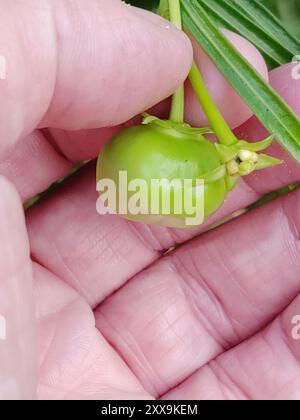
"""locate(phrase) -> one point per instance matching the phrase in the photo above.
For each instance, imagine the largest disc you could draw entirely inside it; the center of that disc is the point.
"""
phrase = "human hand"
(115, 317)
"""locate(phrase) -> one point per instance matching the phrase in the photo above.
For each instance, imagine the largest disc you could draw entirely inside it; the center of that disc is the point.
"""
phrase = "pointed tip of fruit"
(266, 161)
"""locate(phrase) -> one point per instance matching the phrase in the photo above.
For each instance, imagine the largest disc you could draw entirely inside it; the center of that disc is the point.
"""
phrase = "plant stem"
(177, 107)
(217, 122)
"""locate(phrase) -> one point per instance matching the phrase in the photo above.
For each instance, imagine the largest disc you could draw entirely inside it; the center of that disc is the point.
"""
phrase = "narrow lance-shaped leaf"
(258, 25)
(268, 106)
(270, 23)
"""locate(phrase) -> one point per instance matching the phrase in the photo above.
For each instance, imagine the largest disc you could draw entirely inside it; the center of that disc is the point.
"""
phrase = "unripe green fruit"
(151, 152)
(162, 151)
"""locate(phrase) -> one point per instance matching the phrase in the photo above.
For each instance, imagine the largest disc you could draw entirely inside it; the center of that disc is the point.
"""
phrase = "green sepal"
(257, 146)
(227, 153)
(214, 175)
(168, 124)
(246, 168)
(231, 181)
(266, 161)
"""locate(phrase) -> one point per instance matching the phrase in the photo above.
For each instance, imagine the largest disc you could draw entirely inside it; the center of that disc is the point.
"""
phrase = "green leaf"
(288, 11)
(265, 161)
(268, 106)
(270, 24)
(255, 22)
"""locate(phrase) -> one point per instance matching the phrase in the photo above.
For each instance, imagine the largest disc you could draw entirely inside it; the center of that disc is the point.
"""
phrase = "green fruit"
(164, 151)
(159, 153)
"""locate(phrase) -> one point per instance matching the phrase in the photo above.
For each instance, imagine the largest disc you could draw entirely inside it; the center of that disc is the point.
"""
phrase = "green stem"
(216, 120)
(177, 106)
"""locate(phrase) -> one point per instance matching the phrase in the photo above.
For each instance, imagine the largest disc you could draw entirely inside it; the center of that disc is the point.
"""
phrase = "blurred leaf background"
(289, 13)
(287, 10)
(145, 4)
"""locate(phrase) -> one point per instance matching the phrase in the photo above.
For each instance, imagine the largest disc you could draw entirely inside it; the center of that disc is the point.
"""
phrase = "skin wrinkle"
(53, 31)
(179, 381)
(191, 296)
(246, 393)
(234, 321)
(142, 361)
(59, 38)
(268, 367)
(108, 249)
(147, 238)
(293, 231)
(57, 55)
(228, 391)
(285, 337)
(42, 362)
(104, 297)
(220, 383)
(290, 351)
(218, 370)
(170, 326)
(65, 265)
(264, 338)
(238, 284)
(85, 357)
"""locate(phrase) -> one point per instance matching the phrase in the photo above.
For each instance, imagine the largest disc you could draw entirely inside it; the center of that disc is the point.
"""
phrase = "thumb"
(17, 327)
(76, 64)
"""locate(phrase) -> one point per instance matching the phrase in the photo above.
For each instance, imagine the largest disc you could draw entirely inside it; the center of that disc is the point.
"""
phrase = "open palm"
(97, 307)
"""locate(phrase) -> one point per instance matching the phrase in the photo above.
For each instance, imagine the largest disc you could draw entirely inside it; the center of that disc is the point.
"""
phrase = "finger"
(75, 362)
(84, 66)
(17, 327)
(266, 367)
(207, 296)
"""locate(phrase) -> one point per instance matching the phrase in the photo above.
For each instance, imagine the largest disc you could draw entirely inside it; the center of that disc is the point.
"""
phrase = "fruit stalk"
(216, 120)
(177, 106)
